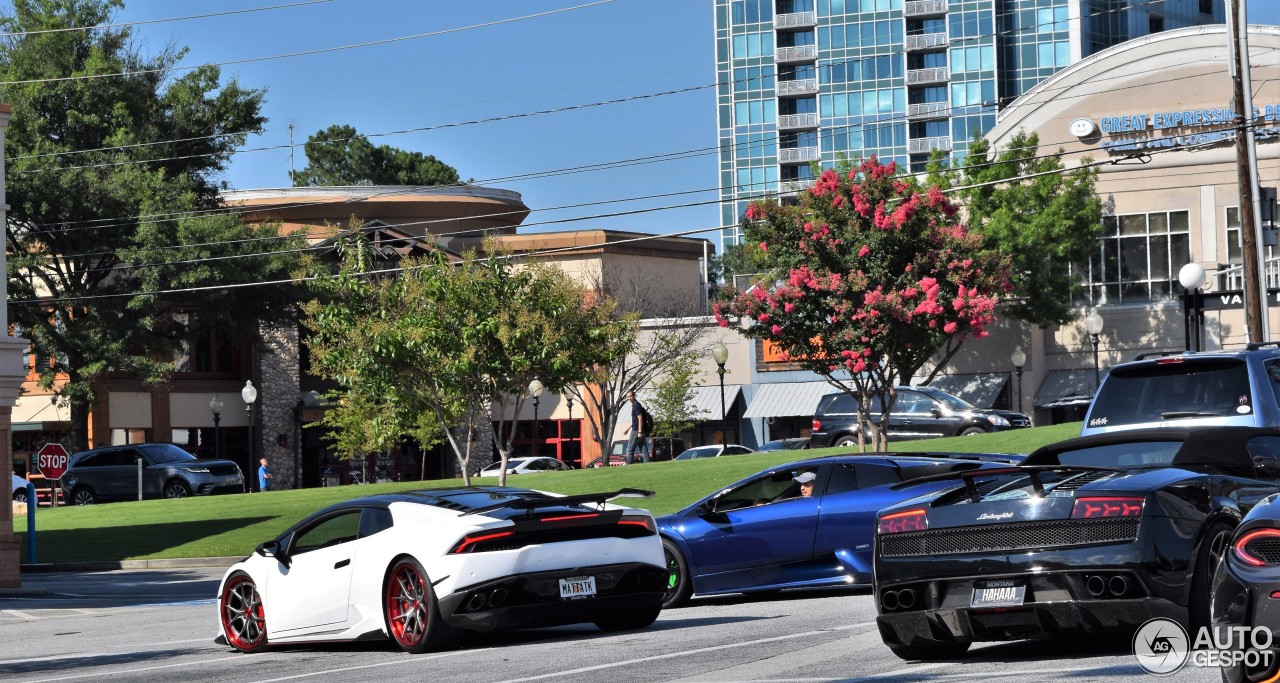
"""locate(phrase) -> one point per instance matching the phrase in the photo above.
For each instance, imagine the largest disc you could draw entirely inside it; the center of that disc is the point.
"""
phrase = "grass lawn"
(233, 525)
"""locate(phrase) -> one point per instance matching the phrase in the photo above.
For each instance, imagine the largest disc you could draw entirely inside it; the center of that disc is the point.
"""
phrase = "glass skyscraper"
(830, 80)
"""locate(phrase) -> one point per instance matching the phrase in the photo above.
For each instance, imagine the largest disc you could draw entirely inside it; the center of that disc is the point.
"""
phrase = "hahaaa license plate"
(998, 593)
(578, 587)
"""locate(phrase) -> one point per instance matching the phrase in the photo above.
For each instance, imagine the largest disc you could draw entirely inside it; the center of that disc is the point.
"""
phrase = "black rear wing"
(1007, 458)
(529, 503)
(1030, 471)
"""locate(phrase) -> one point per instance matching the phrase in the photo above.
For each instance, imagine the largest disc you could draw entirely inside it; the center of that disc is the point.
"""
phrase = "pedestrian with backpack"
(639, 428)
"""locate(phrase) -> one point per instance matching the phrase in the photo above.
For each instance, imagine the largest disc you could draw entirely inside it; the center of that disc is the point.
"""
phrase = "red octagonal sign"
(52, 460)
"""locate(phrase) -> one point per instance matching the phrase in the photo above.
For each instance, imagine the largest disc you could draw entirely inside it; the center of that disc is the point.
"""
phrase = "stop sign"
(52, 460)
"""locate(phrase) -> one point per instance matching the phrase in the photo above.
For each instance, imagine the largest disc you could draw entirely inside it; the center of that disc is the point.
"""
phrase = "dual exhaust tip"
(1106, 587)
(895, 600)
(492, 599)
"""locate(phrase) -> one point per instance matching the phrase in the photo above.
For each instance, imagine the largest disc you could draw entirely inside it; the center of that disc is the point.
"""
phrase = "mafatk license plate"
(998, 593)
(577, 587)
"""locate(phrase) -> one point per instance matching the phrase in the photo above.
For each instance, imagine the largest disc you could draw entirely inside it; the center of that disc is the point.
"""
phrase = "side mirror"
(935, 411)
(1267, 463)
(272, 549)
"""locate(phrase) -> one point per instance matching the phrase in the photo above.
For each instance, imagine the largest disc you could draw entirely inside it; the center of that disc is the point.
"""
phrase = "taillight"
(1173, 360)
(817, 425)
(1100, 508)
(1265, 552)
(470, 540)
(642, 521)
(899, 522)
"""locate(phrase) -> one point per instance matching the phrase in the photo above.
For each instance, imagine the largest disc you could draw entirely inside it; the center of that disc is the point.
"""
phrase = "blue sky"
(614, 50)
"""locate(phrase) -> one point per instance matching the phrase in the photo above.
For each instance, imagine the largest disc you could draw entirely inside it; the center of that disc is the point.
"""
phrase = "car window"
(330, 531)
(1133, 454)
(770, 488)
(131, 456)
(100, 459)
(374, 520)
(870, 474)
(165, 452)
(843, 477)
(1152, 392)
(736, 450)
(839, 404)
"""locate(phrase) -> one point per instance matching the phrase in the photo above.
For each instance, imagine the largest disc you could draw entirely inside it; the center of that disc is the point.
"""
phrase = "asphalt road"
(158, 625)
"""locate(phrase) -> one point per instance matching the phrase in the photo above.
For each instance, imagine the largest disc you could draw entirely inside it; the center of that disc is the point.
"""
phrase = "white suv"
(1190, 389)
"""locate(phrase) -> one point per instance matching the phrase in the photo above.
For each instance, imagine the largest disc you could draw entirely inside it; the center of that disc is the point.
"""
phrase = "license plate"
(577, 587)
(998, 594)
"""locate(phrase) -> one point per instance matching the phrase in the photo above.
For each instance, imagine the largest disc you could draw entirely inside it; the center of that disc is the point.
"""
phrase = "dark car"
(111, 473)
(759, 534)
(796, 444)
(1218, 388)
(1245, 588)
(918, 413)
(1094, 534)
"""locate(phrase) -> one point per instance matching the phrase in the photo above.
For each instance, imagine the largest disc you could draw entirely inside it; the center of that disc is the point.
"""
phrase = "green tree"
(338, 155)
(1045, 219)
(432, 351)
(112, 181)
(672, 393)
(868, 277)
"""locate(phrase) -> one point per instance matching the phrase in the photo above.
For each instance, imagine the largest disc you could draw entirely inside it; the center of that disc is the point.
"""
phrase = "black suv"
(918, 413)
(1184, 389)
(111, 473)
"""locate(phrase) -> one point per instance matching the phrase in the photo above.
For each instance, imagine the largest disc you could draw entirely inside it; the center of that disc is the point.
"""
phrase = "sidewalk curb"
(114, 565)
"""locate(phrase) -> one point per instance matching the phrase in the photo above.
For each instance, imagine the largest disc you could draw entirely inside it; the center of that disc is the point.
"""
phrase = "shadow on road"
(142, 540)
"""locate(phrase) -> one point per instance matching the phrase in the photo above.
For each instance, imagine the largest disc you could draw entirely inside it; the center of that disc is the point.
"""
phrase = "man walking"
(639, 427)
(264, 476)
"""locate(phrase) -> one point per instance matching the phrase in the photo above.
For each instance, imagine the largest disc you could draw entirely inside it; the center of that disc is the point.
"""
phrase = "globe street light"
(248, 394)
(215, 405)
(535, 390)
(1093, 325)
(1192, 277)
(720, 353)
(1019, 359)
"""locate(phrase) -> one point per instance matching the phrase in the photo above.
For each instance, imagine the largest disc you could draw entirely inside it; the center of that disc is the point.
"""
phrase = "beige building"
(1159, 107)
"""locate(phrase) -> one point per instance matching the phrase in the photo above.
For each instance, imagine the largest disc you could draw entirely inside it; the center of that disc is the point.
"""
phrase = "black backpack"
(646, 421)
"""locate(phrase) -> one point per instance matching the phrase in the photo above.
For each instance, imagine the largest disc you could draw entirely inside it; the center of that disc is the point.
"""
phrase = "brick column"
(11, 376)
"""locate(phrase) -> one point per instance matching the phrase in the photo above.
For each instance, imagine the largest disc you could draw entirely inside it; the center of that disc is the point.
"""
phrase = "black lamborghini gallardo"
(1093, 534)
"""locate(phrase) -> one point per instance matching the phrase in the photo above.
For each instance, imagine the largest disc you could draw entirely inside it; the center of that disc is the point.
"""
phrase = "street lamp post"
(248, 394)
(720, 353)
(535, 390)
(215, 405)
(1192, 277)
(1019, 359)
(1093, 325)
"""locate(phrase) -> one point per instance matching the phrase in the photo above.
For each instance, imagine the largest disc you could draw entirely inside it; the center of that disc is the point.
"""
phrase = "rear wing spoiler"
(1030, 471)
(1009, 458)
(529, 503)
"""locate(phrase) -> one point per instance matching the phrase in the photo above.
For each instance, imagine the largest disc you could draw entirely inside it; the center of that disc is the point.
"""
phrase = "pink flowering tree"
(863, 281)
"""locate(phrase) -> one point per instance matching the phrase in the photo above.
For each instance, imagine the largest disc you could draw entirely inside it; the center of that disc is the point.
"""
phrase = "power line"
(305, 53)
(159, 21)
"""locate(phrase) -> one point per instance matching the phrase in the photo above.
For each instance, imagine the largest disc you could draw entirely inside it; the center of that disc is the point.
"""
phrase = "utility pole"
(291, 168)
(1255, 290)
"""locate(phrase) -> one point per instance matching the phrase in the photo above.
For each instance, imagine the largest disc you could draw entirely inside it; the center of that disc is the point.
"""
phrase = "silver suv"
(111, 473)
(1190, 389)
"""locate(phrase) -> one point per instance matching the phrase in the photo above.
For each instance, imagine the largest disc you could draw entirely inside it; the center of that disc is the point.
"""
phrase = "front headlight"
(998, 421)
(198, 470)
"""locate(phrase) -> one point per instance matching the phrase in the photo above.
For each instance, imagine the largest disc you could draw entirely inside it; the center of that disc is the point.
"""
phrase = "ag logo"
(1161, 646)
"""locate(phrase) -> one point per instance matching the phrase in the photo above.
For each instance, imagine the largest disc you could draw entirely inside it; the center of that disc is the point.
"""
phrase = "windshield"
(164, 452)
(952, 402)
(1174, 389)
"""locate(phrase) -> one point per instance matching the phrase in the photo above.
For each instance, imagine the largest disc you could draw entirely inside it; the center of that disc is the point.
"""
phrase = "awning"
(1062, 388)
(705, 401)
(980, 389)
(37, 412)
(787, 399)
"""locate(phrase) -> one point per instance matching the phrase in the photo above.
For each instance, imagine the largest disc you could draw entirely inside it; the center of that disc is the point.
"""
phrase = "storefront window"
(1138, 258)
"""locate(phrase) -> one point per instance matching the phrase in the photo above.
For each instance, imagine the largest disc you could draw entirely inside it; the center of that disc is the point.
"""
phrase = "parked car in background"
(1184, 389)
(19, 489)
(761, 534)
(918, 413)
(526, 466)
(111, 473)
(714, 451)
(663, 448)
(796, 444)
(422, 567)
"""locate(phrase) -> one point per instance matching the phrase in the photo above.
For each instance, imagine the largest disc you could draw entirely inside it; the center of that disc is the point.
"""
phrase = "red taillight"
(1242, 552)
(1168, 361)
(472, 539)
(644, 522)
(899, 522)
(817, 425)
(1100, 508)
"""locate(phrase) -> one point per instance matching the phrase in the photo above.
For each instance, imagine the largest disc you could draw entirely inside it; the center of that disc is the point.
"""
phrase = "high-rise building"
(830, 80)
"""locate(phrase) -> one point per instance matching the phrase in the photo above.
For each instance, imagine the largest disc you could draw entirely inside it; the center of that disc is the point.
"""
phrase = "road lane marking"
(53, 658)
(410, 659)
(233, 659)
(686, 653)
(20, 615)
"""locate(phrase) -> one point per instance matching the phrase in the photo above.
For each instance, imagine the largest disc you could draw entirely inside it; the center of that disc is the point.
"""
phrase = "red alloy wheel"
(243, 620)
(406, 605)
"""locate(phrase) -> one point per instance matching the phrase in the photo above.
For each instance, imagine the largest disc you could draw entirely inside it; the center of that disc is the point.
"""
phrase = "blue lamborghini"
(804, 524)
